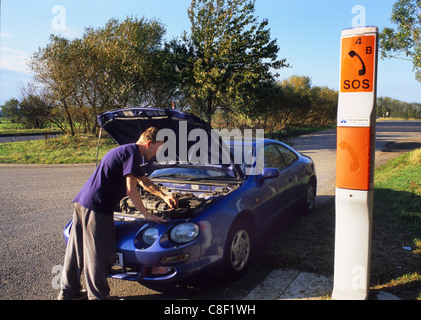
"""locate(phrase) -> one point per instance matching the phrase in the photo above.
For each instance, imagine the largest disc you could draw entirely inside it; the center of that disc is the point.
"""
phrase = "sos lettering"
(356, 84)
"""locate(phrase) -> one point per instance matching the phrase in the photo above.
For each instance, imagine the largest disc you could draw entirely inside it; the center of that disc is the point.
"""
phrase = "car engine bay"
(190, 204)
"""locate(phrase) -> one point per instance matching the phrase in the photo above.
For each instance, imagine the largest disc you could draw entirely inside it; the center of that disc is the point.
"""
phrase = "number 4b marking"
(368, 50)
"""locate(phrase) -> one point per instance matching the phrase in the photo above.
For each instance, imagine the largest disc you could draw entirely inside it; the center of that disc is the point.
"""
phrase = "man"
(92, 241)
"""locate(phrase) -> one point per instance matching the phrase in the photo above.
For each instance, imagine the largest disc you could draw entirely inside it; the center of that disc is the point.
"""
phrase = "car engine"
(189, 205)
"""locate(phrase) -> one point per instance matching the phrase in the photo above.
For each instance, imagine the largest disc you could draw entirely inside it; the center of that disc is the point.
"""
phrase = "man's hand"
(133, 193)
(153, 218)
(149, 186)
(170, 200)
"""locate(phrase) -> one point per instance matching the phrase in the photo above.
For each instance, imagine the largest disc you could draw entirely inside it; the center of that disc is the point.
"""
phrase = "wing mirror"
(267, 173)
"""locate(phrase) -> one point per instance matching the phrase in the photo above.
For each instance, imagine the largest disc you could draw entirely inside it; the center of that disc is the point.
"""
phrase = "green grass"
(401, 180)
(61, 150)
(397, 223)
(10, 128)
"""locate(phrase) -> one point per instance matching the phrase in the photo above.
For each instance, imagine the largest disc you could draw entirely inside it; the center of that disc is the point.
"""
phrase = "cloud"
(14, 60)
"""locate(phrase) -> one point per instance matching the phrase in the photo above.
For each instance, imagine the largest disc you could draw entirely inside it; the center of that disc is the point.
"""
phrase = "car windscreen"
(190, 174)
(244, 156)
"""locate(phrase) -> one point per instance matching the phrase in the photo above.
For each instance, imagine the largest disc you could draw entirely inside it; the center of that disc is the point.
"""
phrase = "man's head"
(148, 134)
(148, 144)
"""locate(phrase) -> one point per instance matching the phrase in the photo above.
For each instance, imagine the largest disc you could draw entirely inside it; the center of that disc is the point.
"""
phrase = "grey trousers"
(91, 247)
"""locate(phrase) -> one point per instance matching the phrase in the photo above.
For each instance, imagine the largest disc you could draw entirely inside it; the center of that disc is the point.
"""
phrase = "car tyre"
(238, 249)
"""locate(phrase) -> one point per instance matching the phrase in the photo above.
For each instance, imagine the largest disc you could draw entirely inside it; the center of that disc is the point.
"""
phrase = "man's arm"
(133, 193)
(151, 187)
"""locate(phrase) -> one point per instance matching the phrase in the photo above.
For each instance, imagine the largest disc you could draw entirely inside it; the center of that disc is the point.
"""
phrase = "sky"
(308, 33)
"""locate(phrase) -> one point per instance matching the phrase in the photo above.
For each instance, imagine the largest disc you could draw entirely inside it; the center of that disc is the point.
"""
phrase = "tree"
(123, 57)
(231, 54)
(11, 109)
(405, 42)
(34, 112)
(388, 107)
(324, 103)
(120, 65)
(296, 100)
(56, 68)
(384, 107)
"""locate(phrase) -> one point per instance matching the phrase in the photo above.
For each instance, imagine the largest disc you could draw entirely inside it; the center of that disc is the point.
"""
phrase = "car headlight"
(150, 235)
(184, 232)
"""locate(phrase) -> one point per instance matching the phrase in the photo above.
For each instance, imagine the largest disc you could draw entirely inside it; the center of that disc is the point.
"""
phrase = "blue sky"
(307, 32)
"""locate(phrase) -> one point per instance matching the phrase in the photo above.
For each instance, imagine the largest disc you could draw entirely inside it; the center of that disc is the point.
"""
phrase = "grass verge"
(10, 128)
(396, 254)
(308, 245)
(62, 150)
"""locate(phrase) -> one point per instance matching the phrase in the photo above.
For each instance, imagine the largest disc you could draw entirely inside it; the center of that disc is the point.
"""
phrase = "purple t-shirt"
(107, 185)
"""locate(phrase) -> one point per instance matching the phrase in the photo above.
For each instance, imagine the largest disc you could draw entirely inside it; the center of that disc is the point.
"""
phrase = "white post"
(356, 131)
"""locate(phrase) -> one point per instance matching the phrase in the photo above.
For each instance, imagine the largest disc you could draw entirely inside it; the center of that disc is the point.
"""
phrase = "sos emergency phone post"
(356, 136)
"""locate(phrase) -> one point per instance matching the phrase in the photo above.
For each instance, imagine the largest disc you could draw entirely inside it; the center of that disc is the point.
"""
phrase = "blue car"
(229, 195)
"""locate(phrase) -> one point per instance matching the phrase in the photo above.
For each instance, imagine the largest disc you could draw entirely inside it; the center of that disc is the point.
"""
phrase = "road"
(5, 139)
(392, 138)
(36, 205)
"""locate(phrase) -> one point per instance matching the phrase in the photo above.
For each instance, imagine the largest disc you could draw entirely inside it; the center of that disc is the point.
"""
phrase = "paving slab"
(291, 285)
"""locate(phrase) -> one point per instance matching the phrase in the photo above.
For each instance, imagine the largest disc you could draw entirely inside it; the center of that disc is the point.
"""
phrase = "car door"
(291, 174)
(272, 192)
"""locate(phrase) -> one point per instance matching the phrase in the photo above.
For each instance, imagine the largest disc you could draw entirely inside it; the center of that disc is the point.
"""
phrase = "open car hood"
(185, 129)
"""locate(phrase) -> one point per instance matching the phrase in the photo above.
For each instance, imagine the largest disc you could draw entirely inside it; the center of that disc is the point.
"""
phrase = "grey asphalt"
(5, 139)
(36, 205)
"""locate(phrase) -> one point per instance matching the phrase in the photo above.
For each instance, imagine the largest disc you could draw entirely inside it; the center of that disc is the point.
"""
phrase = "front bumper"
(157, 265)
(159, 262)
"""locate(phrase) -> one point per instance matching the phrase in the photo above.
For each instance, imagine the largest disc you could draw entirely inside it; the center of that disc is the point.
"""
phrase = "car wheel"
(310, 197)
(237, 251)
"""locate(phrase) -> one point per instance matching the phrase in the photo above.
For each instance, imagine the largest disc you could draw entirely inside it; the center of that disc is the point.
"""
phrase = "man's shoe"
(82, 295)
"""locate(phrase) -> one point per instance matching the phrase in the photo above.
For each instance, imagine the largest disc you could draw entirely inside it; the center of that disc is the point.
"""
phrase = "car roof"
(251, 142)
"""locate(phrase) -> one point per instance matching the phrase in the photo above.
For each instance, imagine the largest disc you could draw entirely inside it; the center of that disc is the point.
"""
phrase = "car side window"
(288, 156)
(272, 157)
